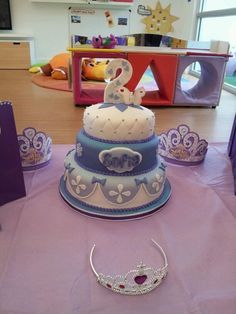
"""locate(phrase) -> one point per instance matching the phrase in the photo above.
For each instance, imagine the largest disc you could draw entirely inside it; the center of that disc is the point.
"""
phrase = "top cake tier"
(119, 122)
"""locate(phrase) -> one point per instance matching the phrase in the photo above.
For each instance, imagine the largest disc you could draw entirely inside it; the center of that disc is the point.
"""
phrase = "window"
(210, 5)
(217, 21)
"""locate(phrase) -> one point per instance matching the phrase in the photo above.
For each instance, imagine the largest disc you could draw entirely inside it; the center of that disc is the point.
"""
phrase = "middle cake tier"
(114, 157)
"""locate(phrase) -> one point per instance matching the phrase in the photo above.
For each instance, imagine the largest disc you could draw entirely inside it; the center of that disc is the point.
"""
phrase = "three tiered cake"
(115, 171)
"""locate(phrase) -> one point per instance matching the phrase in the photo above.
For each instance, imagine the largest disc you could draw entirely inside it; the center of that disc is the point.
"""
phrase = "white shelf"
(90, 3)
(12, 36)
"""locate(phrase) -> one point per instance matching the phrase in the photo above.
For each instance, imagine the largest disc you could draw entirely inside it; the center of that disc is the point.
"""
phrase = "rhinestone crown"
(137, 281)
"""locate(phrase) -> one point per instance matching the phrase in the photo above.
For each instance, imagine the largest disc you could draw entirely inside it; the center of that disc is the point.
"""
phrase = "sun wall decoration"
(160, 20)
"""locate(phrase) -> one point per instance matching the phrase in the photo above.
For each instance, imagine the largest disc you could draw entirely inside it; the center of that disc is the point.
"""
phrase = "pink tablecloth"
(45, 245)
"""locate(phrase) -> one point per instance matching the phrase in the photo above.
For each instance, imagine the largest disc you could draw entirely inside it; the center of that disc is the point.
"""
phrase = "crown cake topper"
(182, 146)
(35, 149)
(140, 280)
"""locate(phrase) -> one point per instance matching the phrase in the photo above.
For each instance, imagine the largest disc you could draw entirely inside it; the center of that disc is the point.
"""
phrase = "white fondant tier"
(119, 122)
(112, 192)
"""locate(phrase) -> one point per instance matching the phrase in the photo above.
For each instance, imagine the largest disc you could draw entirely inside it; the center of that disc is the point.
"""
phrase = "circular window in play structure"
(204, 84)
(190, 76)
(206, 88)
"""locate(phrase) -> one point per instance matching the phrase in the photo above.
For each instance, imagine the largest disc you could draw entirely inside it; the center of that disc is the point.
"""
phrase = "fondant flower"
(157, 183)
(120, 193)
(79, 149)
(78, 185)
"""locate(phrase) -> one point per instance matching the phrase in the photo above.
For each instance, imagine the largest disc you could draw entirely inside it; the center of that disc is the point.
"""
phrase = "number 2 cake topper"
(115, 91)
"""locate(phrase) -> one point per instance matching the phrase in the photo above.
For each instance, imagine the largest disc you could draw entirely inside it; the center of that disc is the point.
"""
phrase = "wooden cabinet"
(14, 55)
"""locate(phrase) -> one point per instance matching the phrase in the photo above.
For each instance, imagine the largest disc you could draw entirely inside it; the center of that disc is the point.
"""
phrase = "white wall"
(48, 23)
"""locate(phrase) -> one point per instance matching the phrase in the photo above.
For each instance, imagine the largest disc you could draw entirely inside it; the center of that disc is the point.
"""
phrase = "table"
(45, 246)
(167, 65)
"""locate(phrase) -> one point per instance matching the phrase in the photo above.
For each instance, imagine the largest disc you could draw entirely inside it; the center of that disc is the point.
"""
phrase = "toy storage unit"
(14, 55)
(16, 51)
(167, 65)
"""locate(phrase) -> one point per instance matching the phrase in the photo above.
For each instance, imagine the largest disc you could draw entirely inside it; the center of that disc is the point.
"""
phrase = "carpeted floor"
(48, 82)
(147, 81)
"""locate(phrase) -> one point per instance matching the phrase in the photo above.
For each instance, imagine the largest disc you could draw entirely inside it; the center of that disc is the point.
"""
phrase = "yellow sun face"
(160, 21)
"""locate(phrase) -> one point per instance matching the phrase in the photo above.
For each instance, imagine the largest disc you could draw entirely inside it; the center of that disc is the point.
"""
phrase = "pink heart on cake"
(140, 279)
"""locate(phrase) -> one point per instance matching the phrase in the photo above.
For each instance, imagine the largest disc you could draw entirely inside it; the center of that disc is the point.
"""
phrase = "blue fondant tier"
(116, 158)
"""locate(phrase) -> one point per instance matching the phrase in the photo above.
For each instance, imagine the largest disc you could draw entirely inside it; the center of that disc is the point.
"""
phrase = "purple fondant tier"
(115, 158)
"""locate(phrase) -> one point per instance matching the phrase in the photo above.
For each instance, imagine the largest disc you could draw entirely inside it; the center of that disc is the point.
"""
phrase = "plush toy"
(97, 41)
(105, 43)
(93, 69)
(35, 68)
(57, 67)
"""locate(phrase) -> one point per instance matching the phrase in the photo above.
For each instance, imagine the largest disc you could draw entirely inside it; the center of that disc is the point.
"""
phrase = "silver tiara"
(137, 281)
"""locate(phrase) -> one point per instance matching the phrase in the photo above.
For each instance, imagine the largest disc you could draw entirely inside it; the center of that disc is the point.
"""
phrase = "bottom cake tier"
(115, 196)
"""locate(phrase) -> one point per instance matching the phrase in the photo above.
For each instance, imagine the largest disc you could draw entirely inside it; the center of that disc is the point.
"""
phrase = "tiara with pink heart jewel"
(137, 281)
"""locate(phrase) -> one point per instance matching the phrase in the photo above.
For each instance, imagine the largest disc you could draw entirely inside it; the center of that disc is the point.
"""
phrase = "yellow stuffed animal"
(93, 69)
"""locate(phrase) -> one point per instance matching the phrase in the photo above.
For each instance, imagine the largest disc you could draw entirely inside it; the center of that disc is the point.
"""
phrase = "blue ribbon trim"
(140, 181)
(97, 180)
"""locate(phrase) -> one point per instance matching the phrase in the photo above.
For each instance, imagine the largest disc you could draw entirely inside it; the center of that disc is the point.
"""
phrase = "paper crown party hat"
(35, 149)
(182, 146)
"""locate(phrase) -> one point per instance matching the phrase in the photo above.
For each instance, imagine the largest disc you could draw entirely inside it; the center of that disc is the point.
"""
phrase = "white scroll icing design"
(115, 92)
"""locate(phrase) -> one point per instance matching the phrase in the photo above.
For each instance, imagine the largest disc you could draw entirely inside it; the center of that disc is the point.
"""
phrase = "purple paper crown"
(182, 147)
(35, 149)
